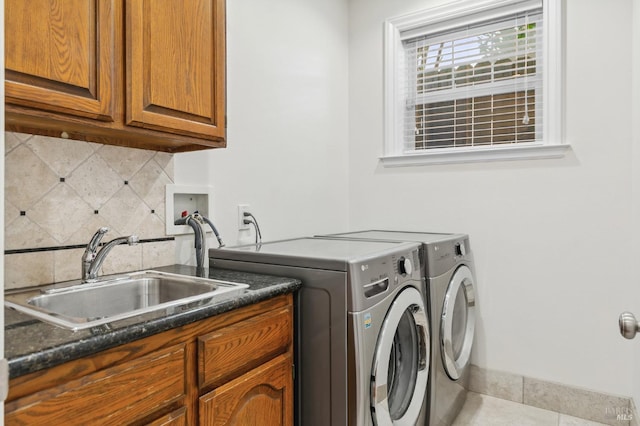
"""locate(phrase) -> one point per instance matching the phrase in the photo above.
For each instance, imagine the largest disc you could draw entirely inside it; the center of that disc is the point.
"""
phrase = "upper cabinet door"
(60, 56)
(175, 66)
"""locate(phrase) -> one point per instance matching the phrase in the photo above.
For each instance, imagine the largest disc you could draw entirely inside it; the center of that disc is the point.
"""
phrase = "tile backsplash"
(58, 192)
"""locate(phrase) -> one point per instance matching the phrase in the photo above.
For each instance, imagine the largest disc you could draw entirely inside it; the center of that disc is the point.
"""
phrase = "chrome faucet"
(92, 259)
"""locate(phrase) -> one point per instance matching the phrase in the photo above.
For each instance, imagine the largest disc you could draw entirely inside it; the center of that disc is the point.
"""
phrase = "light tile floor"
(483, 410)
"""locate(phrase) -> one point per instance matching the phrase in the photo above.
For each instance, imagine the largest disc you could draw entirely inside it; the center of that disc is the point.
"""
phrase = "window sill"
(475, 155)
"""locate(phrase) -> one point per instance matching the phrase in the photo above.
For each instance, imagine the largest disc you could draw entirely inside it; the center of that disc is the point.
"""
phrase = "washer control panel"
(372, 280)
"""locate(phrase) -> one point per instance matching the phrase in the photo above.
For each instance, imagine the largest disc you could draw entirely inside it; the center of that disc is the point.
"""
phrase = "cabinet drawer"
(117, 395)
(176, 418)
(231, 351)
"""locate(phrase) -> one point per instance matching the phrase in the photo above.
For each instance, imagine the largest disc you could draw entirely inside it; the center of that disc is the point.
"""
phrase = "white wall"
(287, 122)
(551, 237)
(636, 187)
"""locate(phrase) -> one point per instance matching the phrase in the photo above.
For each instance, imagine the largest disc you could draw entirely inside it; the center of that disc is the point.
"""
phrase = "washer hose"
(194, 223)
(215, 231)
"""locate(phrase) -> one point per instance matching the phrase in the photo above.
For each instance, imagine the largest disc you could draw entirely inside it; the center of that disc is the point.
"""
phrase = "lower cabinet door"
(263, 396)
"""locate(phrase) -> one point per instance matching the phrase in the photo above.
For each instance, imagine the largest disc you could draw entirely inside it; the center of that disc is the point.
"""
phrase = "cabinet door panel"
(175, 66)
(263, 397)
(60, 55)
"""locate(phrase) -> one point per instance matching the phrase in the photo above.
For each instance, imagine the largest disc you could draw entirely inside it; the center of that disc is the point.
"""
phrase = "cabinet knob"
(629, 326)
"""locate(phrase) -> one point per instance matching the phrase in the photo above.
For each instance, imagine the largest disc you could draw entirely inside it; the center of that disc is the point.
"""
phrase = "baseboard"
(586, 404)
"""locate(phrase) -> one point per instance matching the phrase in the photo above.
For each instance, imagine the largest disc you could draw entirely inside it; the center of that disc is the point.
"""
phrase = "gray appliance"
(448, 268)
(362, 337)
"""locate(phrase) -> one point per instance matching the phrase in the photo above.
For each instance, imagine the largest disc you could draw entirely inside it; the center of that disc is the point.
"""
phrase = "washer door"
(458, 322)
(401, 362)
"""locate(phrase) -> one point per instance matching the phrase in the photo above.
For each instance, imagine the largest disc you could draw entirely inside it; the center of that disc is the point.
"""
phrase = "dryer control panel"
(442, 256)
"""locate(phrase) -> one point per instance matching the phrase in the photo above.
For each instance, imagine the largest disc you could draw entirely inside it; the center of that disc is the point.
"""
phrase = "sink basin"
(90, 304)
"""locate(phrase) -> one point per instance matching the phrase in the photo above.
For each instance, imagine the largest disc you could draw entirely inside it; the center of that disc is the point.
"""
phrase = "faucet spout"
(92, 259)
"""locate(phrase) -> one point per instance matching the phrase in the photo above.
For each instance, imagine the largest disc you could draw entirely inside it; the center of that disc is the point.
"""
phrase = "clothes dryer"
(362, 334)
(448, 268)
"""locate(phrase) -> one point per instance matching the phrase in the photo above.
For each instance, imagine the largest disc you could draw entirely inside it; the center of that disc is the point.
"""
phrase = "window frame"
(455, 15)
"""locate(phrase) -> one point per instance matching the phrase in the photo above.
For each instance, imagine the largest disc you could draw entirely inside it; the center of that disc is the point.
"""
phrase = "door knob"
(629, 326)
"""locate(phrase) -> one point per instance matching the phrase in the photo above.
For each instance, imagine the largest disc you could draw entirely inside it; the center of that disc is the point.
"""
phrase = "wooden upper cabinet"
(60, 56)
(173, 83)
(141, 73)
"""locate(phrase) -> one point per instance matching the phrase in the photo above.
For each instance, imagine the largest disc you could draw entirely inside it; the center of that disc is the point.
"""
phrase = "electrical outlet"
(241, 209)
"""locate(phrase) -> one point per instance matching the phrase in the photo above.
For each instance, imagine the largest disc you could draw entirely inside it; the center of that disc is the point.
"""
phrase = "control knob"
(404, 266)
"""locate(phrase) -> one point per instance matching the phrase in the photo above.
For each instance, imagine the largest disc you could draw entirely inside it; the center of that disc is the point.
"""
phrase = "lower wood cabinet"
(234, 368)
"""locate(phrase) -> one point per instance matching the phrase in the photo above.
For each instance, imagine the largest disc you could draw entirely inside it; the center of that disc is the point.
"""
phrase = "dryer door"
(458, 321)
(401, 362)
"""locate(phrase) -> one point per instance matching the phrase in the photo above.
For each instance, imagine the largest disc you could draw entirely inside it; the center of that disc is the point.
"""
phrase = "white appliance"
(362, 336)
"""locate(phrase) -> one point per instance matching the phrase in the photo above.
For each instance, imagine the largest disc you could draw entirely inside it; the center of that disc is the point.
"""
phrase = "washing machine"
(389, 330)
(362, 333)
(449, 273)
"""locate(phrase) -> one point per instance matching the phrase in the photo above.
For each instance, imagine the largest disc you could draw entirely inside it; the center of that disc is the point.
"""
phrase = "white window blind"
(475, 86)
(474, 80)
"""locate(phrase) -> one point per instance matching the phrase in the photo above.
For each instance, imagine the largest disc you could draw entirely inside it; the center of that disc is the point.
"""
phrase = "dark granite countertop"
(32, 345)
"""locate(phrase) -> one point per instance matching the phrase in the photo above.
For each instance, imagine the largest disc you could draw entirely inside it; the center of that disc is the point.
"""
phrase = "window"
(473, 81)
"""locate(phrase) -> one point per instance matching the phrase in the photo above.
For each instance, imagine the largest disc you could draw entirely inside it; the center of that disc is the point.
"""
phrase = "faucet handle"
(95, 240)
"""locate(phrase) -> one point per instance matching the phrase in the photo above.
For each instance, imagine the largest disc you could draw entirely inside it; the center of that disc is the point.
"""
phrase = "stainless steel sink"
(80, 306)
